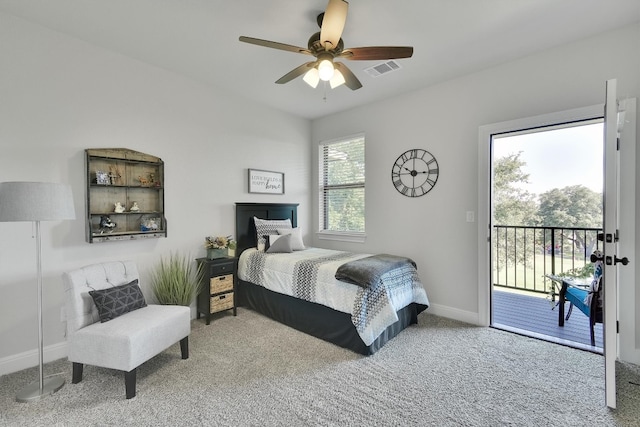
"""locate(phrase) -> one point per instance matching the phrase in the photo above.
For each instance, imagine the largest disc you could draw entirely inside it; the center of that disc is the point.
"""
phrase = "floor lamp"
(37, 201)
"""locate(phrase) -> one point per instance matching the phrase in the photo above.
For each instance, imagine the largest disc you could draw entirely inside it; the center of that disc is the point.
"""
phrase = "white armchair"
(126, 341)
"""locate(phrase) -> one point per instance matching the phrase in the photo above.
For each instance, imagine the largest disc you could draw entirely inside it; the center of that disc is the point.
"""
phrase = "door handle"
(609, 261)
(623, 261)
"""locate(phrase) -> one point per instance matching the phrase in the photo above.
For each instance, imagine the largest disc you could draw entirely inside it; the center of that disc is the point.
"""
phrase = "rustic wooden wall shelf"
(131, 179)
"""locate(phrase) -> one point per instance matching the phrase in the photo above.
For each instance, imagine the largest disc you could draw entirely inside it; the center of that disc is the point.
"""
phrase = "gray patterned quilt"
(310, 275)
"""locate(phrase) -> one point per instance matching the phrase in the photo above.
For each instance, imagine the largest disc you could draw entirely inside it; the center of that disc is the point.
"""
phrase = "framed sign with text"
(269, 182)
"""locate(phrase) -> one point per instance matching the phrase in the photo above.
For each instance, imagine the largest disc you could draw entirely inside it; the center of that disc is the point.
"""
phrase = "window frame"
(323, 232)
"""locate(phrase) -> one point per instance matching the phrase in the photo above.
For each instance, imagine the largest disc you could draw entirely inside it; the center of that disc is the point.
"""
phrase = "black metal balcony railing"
(523, 256)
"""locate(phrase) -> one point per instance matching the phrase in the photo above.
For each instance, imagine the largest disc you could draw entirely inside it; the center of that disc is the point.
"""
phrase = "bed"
(337, 326)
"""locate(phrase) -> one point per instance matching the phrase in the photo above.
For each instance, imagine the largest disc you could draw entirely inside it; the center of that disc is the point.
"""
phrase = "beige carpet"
(251, 371)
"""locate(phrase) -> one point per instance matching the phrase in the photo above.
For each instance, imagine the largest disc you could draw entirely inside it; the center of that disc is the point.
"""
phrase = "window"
(342, 188)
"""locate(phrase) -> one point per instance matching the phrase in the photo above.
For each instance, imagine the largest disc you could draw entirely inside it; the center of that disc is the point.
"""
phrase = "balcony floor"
(532, 315)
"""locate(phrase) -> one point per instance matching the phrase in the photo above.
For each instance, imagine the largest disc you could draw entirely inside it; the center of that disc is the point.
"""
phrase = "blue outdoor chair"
(587, 300)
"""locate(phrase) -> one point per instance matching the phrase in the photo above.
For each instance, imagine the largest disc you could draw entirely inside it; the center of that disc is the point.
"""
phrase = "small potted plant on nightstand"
(218, 246)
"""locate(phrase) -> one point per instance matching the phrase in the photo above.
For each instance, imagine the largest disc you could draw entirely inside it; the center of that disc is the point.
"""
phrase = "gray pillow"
(280, 245)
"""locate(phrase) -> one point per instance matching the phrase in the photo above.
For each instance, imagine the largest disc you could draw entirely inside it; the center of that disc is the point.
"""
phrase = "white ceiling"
(199, 39)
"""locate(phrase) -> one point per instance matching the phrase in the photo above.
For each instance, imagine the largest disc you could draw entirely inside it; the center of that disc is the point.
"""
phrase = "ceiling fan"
(327, 45)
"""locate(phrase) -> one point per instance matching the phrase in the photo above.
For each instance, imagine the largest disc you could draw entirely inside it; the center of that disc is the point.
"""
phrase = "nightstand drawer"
(219, 269)
(221, 302)
(221, 284)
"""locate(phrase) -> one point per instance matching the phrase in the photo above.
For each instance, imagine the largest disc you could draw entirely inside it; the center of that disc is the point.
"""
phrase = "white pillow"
(265, 227)
(296, 237)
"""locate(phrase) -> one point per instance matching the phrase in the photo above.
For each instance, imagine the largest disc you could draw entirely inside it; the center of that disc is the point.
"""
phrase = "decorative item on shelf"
(144, 182)
(115, 175)
(134, 207)
(175, 281)
(150, 224)
(106, 224)
(102, 178)
(218, 246)
(118, 208)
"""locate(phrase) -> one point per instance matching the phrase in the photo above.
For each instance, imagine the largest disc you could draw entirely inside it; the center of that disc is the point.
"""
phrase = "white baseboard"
(454, 313)
(28, 359)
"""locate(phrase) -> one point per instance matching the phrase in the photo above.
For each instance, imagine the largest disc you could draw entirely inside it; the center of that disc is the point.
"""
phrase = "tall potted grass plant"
(176, 280)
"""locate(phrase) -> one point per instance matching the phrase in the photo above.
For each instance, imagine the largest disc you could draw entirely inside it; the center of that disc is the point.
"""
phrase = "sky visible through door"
(557, 158)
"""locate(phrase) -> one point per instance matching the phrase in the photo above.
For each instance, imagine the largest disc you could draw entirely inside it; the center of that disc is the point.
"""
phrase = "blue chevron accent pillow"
(118, 300)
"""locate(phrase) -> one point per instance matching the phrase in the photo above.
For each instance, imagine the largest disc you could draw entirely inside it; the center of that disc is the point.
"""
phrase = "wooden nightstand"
(218, 286)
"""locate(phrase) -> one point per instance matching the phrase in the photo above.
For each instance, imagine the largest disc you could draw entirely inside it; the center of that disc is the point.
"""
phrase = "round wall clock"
(415, 172)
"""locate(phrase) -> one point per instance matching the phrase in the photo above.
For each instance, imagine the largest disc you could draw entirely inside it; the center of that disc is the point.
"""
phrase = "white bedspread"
(310, 275)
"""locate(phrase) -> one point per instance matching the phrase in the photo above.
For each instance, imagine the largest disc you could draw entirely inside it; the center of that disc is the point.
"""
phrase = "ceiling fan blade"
(376, 52)
(275, 45)
(333, 22)
(296, 72)
(350, 79)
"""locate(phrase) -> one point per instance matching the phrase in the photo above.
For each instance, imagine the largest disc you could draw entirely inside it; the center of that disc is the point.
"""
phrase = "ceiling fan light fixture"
(312, 77)
(325, 70)
(337, 79)
(326, 46)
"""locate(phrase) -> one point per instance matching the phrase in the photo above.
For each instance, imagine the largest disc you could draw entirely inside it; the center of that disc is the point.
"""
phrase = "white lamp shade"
(336, 80)
(35, 201)
(312, 78)
(325, 70)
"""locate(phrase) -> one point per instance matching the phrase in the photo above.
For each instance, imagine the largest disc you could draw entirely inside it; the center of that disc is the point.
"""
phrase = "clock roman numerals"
(415, 172)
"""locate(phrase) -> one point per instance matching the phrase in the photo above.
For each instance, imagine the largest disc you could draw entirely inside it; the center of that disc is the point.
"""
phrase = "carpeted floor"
(250, 371)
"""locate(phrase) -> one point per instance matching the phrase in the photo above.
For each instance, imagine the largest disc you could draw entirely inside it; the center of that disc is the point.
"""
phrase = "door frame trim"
(485, 215)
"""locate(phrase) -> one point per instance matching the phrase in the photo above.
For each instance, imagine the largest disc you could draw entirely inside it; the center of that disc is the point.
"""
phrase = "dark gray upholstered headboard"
(245, 227)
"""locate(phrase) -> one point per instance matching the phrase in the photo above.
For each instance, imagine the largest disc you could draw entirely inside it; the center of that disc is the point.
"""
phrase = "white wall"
(444, 120)
(59, 96)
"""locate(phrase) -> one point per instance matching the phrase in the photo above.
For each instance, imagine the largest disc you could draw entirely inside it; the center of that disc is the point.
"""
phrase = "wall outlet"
(471, 216)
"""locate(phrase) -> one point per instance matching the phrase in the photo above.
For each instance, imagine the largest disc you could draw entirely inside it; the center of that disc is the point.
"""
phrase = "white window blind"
(342, 181)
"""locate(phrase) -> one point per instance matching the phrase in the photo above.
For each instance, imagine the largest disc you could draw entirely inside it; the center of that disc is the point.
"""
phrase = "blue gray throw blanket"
(366, 272)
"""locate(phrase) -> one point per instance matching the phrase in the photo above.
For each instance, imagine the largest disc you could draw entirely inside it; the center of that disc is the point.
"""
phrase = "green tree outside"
(570, 207)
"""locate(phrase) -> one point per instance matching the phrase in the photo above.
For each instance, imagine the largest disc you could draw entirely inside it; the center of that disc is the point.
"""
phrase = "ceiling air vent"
(383, 68)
